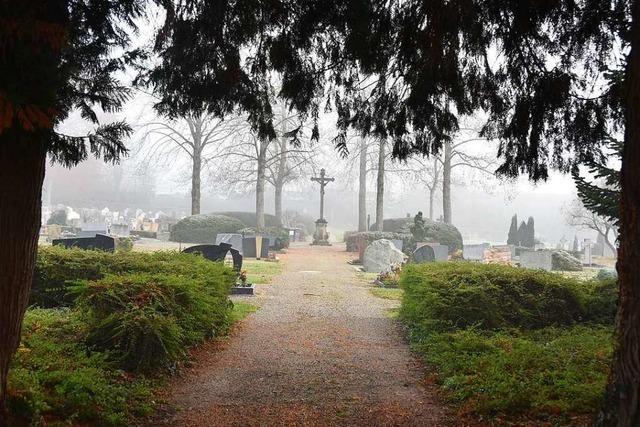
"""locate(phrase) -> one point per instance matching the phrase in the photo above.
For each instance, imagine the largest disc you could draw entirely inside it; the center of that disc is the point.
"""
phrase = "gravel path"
(319, 352)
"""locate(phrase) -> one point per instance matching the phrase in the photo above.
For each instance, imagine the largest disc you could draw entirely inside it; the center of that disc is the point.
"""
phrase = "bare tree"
(198, 136)
(289, 162)
(455, 155)
(577, 215)
(380, 185)
(250, 163)
(427, 171)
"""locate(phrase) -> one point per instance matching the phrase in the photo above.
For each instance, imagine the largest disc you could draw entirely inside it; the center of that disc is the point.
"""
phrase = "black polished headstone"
(217, 253)
(99, 242)
(424, 254)
(249, 248)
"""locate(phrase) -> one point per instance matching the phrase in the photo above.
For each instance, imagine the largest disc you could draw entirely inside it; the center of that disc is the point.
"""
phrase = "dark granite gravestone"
(217, 253)
(249, 248)
(99, 242)
(423, 254)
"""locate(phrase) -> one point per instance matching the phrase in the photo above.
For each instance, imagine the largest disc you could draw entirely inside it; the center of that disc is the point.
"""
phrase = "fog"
(482, 205)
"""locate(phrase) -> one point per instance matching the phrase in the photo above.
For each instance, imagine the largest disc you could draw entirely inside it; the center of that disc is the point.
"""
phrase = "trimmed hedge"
(147, 321)
(453, 295)
(204, 228)
(398, 228)
(58, 269)
(515, 344)
(249, 218)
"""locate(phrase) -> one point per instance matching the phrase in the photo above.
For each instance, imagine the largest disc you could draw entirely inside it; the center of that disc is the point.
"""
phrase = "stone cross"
(323, 181)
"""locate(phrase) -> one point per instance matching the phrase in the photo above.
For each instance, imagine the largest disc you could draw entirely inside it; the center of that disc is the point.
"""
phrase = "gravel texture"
(319, 352)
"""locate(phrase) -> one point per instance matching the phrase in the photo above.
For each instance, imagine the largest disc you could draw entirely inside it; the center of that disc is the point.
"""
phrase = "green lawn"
(242, 310)
(387, 293)
(260, 271)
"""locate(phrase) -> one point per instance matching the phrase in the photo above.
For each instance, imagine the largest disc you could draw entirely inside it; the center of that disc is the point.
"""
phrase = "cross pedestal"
(321, 237)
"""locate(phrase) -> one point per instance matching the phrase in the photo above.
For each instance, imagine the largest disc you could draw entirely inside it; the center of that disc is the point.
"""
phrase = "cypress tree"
(530, 241)
(512, 238)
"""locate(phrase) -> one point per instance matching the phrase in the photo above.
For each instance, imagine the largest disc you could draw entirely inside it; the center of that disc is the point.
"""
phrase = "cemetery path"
(320, 352)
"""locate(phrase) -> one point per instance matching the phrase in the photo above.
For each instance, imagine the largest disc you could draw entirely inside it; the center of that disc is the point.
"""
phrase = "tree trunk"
(282, 171)
(446, 183)
(195, 182)
(432, 194)
(22, 166)
(380, 188)
(260, 183)
(362, 188)
(622, 401)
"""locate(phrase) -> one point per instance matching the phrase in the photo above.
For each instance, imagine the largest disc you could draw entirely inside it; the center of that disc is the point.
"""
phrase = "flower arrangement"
(243, 278)
(389, 278)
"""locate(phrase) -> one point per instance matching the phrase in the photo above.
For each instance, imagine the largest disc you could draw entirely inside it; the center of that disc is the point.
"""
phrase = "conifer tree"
(512, 238)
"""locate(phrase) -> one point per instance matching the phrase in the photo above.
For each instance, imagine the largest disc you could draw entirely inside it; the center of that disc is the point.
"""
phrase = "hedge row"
(127, 314)
(58, 270)
(397, 228)
(513, 343)
(454, 295)
(204, 228)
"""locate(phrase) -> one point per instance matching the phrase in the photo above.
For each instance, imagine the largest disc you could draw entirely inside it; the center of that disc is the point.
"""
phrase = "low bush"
(147, 321)
(58, 269)
(249, 218)
(489, 296)
(509, 341)
(398, 228)
(204, 228)
(55, 376)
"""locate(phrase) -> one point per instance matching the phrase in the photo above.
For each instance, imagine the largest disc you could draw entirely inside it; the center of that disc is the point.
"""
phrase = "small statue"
(417, 229)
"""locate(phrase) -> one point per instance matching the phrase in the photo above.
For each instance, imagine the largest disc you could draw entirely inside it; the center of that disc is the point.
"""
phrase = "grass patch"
(259, 271)
(55, 376)
(242, 310)
(387, 293)
(509, 343)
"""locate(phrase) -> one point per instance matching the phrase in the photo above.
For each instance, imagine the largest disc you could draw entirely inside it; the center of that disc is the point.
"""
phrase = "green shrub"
(124, 244)
(601, 300)
(54, 376)
(249, 218)
(398, 228)
(58, 269)
(462, 294)
(509, 341)
(146, 321)
(204, 228)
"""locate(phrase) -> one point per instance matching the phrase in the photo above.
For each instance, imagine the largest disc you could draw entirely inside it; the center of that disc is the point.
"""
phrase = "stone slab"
(537, 260)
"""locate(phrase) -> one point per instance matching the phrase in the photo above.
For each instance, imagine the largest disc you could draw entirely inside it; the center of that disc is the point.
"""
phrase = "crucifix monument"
(321, 237)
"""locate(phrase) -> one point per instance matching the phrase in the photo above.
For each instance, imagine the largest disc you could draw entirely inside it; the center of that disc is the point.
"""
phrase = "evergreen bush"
(204, 228)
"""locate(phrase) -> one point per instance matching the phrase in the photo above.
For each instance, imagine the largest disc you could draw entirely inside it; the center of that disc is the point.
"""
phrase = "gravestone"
(424, 253)
(398, 243)
(440, 252)
(234, 239)
(361, 243)
(99, 242)
(502, 254)
(249, 248)
(380, 255)
(474, 252)
(217, 253)
(587, 258)
(537, 260)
